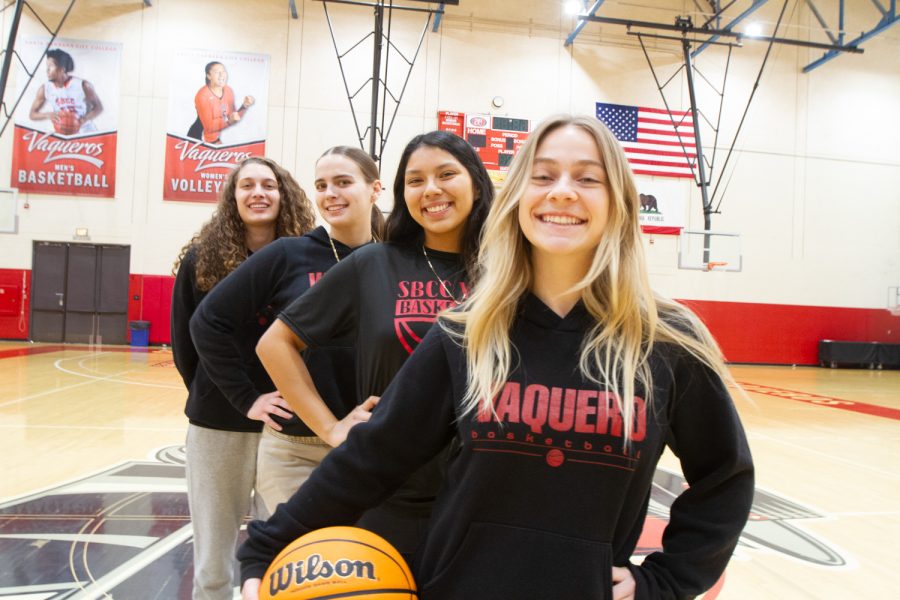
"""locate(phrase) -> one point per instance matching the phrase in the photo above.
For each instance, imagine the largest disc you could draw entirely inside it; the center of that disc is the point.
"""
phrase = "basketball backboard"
(8, 222)
(709, 251)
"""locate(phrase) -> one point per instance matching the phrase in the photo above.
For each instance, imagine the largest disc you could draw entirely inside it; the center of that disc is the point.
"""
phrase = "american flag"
(652, 144)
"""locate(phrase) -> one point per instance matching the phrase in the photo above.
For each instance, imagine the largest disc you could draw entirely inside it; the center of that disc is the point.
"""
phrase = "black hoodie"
(228, 323)
(542, 504)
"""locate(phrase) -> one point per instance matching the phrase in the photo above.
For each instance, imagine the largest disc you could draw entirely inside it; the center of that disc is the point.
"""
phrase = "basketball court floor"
(93, 501)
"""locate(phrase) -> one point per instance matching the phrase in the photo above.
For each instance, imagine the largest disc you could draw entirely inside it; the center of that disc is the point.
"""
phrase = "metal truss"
(380, 122)
(712, 29)
(889, 17)
(691, 42)
(9, 52)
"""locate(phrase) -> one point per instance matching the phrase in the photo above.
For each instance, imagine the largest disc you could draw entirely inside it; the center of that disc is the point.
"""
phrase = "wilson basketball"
(338, 562)
(66, 123)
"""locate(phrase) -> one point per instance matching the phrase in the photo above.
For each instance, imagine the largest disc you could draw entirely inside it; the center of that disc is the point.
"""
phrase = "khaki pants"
(284, 462)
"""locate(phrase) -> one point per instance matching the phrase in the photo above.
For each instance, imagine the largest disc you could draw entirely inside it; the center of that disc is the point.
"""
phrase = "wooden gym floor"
(92, 495)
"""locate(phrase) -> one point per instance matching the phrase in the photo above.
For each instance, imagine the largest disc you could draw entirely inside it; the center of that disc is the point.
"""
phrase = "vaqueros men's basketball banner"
(217, 117)
(65, 125)
(656, 141)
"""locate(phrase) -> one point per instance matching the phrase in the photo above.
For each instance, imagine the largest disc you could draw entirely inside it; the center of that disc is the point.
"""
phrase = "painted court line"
(829, 401)
(32, 350)
(110, 378)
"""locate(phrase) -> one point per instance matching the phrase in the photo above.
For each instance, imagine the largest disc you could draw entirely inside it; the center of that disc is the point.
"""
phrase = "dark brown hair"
(221, 245)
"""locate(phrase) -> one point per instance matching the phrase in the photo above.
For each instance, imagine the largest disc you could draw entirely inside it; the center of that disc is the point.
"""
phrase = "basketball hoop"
(715, 266)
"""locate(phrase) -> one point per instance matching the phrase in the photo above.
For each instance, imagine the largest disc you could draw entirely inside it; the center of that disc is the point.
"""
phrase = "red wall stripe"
(788, 334)
(747, 332)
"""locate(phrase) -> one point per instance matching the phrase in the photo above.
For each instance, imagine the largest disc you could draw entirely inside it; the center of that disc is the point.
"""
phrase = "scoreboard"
(496, 139)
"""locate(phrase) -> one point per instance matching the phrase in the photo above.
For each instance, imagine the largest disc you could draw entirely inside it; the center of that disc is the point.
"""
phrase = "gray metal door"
(112, 294)
(48, 291)
(81, 293)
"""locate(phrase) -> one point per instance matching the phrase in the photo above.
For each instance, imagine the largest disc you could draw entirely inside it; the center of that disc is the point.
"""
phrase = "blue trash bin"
(140, 333)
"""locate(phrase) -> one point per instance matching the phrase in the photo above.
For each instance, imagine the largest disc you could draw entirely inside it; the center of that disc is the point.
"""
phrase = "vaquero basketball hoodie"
(543, 497)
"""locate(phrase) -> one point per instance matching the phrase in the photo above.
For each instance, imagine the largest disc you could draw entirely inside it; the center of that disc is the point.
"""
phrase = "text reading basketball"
(315, 567)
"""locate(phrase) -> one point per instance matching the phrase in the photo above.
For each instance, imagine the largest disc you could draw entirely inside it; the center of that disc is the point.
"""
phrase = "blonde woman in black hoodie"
(563, 377)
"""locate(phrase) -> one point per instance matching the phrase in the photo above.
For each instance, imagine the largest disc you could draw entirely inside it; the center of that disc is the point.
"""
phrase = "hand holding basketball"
(66, 123)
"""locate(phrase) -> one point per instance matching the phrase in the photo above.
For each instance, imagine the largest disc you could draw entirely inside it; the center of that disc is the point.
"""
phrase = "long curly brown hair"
(221, 245)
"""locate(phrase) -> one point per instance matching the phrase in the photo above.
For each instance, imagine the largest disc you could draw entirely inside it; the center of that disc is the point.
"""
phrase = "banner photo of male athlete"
(218, 103)
(65, 125)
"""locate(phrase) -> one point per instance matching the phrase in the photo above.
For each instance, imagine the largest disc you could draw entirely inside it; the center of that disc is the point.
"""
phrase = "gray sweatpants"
(221, 469)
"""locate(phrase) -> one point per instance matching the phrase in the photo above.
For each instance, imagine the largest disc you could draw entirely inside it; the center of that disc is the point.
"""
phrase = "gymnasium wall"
(813, 186)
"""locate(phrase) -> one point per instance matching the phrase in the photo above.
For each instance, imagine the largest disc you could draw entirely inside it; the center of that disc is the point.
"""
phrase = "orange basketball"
(66, 123)
(338, 562)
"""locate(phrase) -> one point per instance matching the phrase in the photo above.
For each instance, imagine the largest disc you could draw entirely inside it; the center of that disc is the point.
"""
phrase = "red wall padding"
(15, 304)
(785, 334)
(157, 300)
(748, 332)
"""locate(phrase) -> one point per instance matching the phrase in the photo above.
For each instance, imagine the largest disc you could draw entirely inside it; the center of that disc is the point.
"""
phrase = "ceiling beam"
(890, 17)
(582, 22)
(757, 4)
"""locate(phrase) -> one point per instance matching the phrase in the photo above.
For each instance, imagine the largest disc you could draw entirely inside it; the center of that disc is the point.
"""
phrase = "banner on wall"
(662, 205)
(495, 139)
(65, 126)
(218, 103)
(656, 142)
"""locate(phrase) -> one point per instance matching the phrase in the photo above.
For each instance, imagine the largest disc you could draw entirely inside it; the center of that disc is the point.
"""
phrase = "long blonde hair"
(629, 318)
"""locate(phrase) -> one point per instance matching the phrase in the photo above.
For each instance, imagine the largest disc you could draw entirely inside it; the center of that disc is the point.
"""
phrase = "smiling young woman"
(382, 300)
(260, 202)
(228, 324)
(561, 379)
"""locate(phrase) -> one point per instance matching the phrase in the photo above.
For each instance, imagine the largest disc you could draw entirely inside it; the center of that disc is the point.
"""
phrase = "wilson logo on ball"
(315, 567)
(338, 562)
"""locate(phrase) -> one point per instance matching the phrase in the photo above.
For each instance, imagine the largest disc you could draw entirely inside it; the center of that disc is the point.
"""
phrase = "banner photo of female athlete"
(217, 117)
(65, 125)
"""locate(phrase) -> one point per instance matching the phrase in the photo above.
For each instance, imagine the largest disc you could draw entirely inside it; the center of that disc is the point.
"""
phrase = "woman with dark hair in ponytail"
(347, 187)
(382, 300)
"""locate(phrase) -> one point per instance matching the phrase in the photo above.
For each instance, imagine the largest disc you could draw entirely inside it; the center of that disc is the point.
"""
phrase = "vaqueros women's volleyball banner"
(65, 125)
(217, 117)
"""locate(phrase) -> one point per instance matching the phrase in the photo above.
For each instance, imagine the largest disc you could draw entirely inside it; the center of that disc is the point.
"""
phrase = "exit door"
(80, 293)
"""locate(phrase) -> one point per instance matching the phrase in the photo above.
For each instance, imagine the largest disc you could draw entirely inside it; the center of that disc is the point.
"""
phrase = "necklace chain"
(441, 281)
(333, 249)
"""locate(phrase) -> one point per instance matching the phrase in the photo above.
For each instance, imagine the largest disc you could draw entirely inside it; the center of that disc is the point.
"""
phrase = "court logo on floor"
(127, 530)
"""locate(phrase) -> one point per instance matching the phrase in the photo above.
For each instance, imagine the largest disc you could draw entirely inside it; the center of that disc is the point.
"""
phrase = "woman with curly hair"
(563, 378)
(259, 202)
